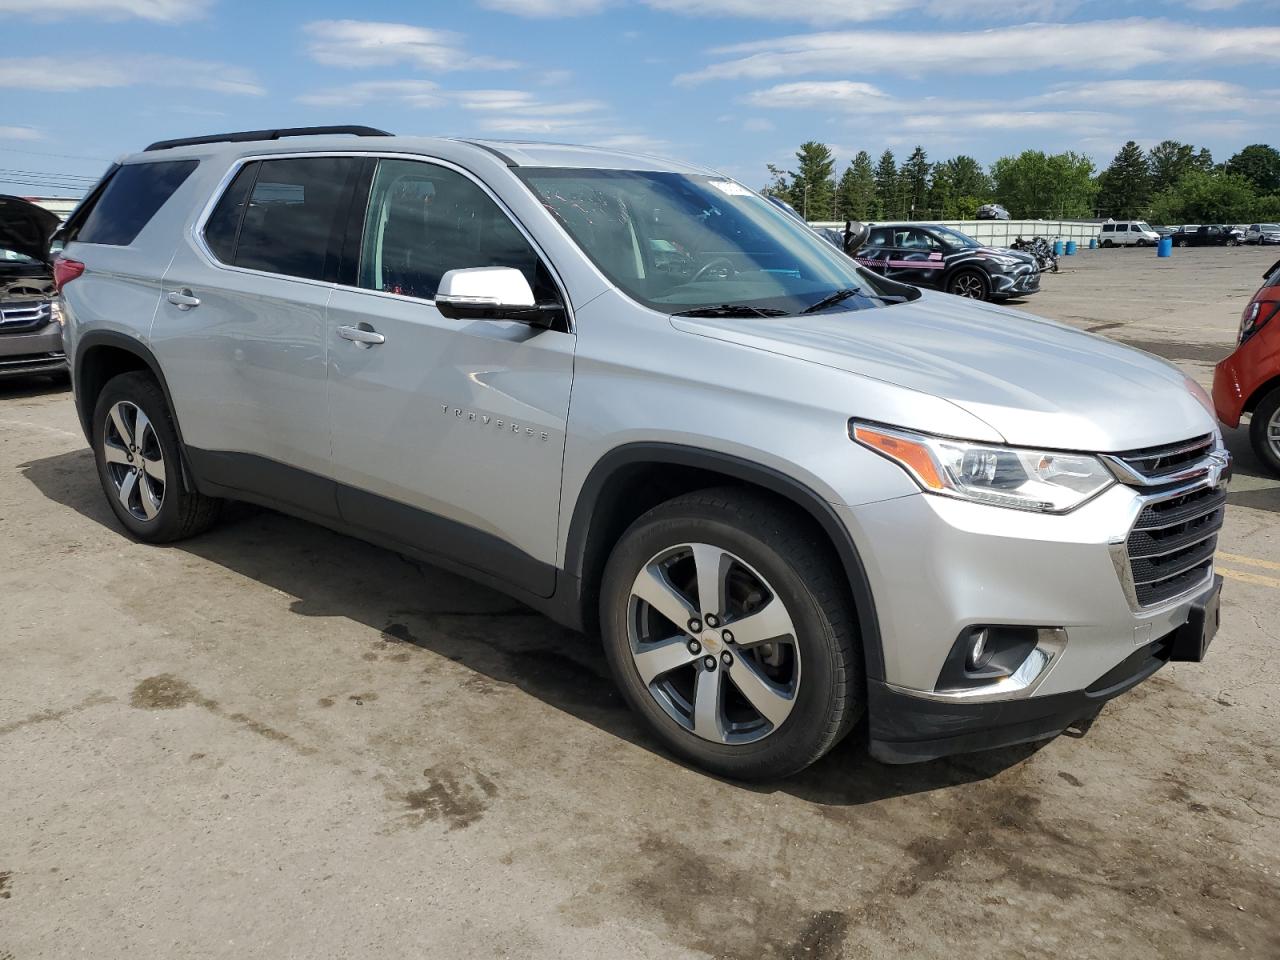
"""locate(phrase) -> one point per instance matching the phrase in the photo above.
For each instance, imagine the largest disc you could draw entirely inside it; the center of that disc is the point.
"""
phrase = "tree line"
(1171, 183)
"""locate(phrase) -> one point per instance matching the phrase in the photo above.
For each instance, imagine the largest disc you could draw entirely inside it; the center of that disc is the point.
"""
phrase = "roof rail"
(246, 135)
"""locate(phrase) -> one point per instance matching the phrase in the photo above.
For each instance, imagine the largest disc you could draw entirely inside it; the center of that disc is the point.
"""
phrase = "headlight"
(1004, 261)
(1043, 481)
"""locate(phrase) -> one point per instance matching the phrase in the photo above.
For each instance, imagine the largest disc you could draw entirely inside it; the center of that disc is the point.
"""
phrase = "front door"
(448, 435)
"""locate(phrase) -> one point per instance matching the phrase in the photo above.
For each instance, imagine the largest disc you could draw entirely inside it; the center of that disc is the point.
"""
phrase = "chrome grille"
(23, 316)
(1164, 464)
(1171, 546)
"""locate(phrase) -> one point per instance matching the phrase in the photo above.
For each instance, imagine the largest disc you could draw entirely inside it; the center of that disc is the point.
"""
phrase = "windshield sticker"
(730, 188)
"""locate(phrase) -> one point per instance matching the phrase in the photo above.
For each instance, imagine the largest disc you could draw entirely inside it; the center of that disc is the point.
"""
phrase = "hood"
(26, 228)
(1036, 382)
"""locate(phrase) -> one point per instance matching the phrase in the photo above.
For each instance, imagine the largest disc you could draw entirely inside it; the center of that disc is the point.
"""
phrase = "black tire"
(784, 547)
(1231, 242)
(962, 279)
(182, 512)
(1108, 243)
(1267, 409)
(1180, 243)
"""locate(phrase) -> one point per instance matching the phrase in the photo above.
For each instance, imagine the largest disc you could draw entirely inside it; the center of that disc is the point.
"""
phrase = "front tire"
(727, 631)
(139, 458)
(971, 284)
(1264, 430)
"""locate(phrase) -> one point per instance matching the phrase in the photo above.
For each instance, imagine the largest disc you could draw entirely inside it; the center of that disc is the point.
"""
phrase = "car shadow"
(16, 388)
(416, 605)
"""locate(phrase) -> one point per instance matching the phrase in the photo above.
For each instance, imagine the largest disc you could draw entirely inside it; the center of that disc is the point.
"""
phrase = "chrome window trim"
(199, 224)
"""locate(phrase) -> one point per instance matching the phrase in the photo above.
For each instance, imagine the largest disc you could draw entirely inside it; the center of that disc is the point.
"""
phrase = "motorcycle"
(1039, 248)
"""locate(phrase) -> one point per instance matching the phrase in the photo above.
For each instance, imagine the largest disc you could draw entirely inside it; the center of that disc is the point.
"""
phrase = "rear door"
(242, 331)
(448, 436)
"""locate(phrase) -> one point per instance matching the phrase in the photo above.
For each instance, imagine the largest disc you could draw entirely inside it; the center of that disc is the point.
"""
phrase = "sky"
(730, 84)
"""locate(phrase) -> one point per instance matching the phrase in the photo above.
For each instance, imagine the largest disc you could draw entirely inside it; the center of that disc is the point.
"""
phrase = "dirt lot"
(276, 742)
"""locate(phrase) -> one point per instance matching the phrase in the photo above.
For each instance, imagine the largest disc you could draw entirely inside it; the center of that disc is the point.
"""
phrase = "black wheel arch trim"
(747, 471)
(122, 341)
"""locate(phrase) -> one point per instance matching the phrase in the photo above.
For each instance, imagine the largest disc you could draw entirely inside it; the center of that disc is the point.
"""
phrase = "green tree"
(941, 189)
(967, 177)
(1125, 187)
(1214, 197)
(886, 177)
(812, 186)
(857, 200)
(1038, 184)
(1204, 160)
(1259, 164)
(1169, 162)
(914, 183)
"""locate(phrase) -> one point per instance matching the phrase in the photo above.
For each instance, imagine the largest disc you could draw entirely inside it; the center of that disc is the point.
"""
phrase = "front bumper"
(1019, 282)
(910, 729)
(939, 567)
(38, 351)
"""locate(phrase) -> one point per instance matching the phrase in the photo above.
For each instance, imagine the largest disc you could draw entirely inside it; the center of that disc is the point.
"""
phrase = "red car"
(1248, 381)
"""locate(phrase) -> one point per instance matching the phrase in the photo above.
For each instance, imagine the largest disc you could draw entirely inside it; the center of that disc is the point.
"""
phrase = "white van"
(1135, 233)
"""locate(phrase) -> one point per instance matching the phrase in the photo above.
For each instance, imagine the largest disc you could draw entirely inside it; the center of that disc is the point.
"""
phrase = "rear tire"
(1264, 430)
(762, 703)
(139, 458)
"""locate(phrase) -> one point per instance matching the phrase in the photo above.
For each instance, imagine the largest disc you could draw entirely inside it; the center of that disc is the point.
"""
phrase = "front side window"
(425, 220)
(132, 196)
(678, 242)
(958, 240)
(285, 216)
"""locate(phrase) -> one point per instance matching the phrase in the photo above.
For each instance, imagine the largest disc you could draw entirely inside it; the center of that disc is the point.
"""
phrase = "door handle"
(182, 299)
(362, 335)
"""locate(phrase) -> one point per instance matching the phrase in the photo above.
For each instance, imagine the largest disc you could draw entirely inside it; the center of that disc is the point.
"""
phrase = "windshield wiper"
(732, 310)
(842, 295)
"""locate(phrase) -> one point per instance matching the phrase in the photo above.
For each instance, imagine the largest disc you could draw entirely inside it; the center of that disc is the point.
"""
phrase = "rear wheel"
(971, 284)
(139, 462)
(727, 631)
(1264, 430)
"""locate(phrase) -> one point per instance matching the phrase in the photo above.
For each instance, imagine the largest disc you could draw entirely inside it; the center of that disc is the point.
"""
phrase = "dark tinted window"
(295, 208)
(223, 227)
(425, 220)
(130, 199)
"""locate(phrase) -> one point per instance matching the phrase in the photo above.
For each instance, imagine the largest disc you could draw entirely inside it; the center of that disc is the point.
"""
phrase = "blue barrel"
(1071, 248)
(1057, 248)
(1165, 247)
(1093, 243)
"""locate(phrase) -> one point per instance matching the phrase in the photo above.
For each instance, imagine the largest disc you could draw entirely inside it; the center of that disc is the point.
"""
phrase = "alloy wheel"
(1273, 433)
(135, 460)
(968, 285)
(713, 643)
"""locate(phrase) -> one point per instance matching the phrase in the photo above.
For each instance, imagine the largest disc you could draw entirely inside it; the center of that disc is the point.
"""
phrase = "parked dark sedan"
(929, 255)
(30, 329)
(1207, 236)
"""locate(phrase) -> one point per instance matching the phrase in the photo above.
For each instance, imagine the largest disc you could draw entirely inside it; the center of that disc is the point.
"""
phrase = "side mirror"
(492, 293)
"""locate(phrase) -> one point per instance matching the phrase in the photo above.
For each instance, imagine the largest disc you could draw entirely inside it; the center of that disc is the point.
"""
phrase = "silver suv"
(788, 494)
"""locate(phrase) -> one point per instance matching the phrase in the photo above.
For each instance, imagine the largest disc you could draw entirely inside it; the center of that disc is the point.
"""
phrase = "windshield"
(13, 256)
(1145, 228)
(956, 238)
(1269, 228)
(678, 242)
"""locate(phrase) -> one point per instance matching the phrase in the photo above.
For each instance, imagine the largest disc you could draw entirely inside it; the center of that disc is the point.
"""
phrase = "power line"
(64, 156)
(47, 174)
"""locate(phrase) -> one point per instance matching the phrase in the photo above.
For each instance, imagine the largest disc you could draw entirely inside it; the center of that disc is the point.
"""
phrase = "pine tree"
(967, 177)
(886, 177)
(812, 186)
(858, 189)
(941, 190)
(1124, 189)
(914, 179)
(1169, 162)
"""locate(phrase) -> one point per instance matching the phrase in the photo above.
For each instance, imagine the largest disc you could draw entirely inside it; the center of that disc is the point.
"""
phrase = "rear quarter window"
(130, 199)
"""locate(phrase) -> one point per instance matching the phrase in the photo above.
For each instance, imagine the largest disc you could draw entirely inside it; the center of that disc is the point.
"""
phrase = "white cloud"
(1076, 122)
(1098, 45)
(20, 133)
(545, 8)
(161, 11)
(1207, 95)
(410, 93)
(859, 11)
(365, 43)
(521, 101)
(757, 125)
(65, 74)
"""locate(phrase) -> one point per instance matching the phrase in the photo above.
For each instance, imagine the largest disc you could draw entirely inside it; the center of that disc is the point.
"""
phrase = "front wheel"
(969, 283)
(727, 631)
(1231, 242)
(135, 444)
(1264, 430)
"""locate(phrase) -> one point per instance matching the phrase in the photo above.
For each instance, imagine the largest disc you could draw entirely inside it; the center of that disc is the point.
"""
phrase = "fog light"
(985, 654)
(979, 652)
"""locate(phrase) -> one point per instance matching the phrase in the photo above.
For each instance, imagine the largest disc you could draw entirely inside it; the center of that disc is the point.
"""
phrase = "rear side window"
(285, 216)
(130, 199)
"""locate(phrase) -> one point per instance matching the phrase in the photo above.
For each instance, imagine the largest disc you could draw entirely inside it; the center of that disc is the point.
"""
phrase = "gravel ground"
(274, 742)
